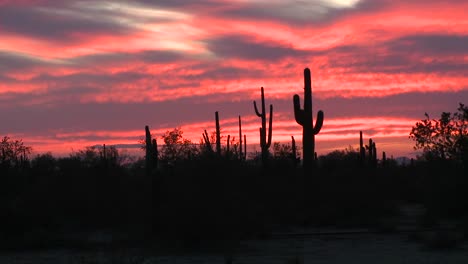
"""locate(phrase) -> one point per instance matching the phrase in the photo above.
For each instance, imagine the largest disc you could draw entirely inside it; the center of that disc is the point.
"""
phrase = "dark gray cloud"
(45, 22)
(239, 46)
(147, 56)
(12, 61)
(181, 3)
(407, 105)
(313, 12)
(407, 54)
(302, 13)
(66, 21)
(91, 79)
(22, 62)
(225, 73)
(431, 44)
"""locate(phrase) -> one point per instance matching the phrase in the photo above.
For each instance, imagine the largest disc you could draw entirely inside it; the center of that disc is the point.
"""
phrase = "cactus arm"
(318, 122)
(207, 141)
(270, 129)
(256, 110)
(261, 114)
(298, 112)
(206, 138)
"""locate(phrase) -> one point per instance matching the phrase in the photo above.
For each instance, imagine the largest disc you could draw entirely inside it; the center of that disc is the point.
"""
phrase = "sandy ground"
(290, 247)
(363, 248)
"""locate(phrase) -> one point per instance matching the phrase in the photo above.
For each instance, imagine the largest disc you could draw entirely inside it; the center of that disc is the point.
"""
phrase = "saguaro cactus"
(206, 139)
(264, 142)
(362, 150)
(294, 151)
(151, 157)
(305, 119)
(370, 149)
(218, 135)
(155, 153)
(245, 147)
(240, 138)
(372, 153)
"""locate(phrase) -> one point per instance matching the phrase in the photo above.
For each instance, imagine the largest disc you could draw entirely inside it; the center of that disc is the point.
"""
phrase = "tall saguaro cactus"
(264, 142)
(305, 119)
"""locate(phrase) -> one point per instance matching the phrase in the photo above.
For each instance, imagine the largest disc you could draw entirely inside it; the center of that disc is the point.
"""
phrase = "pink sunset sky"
(79, 73)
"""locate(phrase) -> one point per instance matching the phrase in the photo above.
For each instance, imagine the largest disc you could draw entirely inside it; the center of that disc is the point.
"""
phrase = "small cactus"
(245, 147)
(151, 158)
(240, 139)
(362, 150)
(207, 142)
(372, 149)
(218, 135)
(265, 142)
(294, 151)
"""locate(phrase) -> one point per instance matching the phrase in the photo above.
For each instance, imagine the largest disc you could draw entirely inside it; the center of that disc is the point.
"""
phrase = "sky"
(78, 73)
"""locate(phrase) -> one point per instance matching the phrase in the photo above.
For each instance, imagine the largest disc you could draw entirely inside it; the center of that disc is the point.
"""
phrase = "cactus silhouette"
(264, 142)
(240, 139)
(151, 158)
(362, 150)
(155, 153)
(245, 147)
(206, 139)
(374, 155)
(372, 149)
(104, 152)
(305, 119)
(218, 135)
(294, 151)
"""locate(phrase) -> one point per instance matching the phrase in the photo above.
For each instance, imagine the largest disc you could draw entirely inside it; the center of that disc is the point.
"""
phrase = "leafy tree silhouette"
(13, 152)
(445, 138)
(176, 147)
